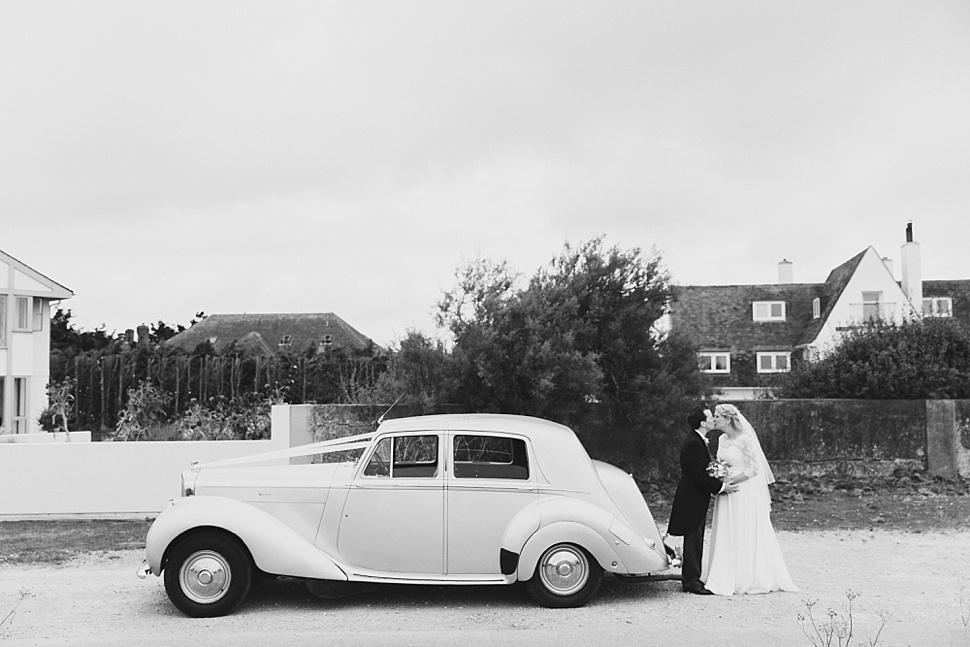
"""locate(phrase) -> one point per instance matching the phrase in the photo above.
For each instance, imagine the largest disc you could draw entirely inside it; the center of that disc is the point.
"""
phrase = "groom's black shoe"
(697, 588)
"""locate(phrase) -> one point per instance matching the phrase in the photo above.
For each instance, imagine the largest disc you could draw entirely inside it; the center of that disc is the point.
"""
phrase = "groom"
(688, 516)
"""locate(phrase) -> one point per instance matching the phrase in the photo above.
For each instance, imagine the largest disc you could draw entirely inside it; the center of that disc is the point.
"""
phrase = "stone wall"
(811, 437)
(863, 437)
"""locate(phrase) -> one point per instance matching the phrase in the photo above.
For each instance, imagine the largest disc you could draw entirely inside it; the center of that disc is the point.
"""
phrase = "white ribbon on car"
(323, 447)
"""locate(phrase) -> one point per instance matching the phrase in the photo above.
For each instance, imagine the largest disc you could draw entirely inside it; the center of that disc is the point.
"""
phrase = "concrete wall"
(136, 479)
(111, 479)
(864, 436)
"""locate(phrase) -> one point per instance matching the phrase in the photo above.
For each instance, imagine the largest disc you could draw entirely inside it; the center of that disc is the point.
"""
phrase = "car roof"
(526, 425)
(560, 454)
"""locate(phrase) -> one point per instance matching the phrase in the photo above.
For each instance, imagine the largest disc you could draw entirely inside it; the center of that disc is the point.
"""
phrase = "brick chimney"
(143, 340)
(912, 278)
(785, 271)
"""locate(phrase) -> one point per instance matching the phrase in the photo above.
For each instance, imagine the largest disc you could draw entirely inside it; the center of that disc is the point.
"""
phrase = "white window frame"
(712, 357)
(871, 308)
(767, 307)
(773, 356)
(19, 418)
(37, 313)
(934, 307)
(22, 314)
(816, 308)
(3, 322)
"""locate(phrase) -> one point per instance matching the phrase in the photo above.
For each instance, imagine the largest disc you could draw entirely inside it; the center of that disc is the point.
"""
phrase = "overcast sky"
(162, 158)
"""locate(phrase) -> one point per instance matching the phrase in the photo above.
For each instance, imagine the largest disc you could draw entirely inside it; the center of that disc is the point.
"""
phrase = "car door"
(393, 518)
(489, 482)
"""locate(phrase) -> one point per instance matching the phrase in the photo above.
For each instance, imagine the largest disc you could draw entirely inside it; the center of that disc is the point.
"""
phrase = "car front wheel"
(208, 574)
(566, 576)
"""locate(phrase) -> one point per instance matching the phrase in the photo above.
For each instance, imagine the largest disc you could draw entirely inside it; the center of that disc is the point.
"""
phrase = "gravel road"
(919, 578)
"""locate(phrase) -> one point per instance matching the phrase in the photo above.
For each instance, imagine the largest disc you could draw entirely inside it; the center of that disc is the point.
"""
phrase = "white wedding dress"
(744, 554)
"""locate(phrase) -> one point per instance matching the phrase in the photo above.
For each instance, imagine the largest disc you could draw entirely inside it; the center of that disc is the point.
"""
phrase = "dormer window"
(285, 340)
(938, 307)
(327, 339)
(768, 310)
(816, 308)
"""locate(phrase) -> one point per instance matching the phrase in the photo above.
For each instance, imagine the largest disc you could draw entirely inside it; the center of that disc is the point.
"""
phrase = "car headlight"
(188, 482)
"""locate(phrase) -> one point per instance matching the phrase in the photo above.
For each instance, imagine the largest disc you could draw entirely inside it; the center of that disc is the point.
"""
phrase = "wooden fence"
(102, 381)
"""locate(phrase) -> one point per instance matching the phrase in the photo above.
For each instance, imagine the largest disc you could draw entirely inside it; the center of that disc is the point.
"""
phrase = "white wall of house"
(25, 344)
(871, 276)
(30, 359)
(113, 479)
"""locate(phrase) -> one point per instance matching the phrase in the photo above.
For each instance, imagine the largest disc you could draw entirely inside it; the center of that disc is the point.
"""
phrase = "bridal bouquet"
(717, 468)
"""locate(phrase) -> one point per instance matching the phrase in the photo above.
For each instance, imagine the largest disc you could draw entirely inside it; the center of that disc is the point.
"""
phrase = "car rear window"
(492, 457)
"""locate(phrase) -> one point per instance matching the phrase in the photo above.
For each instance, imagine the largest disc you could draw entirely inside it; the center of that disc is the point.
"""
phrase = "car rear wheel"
(566, 576)
(208, 574)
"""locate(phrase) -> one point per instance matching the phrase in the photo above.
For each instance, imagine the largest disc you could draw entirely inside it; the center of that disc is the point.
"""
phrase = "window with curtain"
(38, 318)
(23, 313)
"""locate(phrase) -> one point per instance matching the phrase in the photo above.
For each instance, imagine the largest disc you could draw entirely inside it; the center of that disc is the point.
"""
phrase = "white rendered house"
(746, 333)
(25, 343)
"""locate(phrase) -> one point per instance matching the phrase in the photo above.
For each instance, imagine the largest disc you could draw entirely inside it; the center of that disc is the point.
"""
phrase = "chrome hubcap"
(564, 570)
(205, 577)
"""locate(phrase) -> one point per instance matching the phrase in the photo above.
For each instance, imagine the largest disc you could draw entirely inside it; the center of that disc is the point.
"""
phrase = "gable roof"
(833, 288)
(263, 333)
(28, 281)
(719, 317)
(956, 289)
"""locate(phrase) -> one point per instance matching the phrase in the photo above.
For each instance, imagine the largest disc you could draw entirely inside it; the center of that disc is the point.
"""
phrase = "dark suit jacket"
(694, 491)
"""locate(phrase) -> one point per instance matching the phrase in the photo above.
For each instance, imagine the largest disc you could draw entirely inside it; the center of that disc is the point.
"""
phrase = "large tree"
(418, 373)
(65, 338)
(580, 336)
(914, 360)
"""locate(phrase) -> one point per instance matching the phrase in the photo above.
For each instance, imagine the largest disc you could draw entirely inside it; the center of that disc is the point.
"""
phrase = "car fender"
(569, 532)
(522, 526)
(275, 547)
(550, 510)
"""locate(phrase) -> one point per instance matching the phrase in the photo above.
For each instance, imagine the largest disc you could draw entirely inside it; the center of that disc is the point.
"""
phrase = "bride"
(744, 554)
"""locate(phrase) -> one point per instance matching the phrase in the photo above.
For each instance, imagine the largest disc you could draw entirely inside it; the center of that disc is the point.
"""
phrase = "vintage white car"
(443, 499)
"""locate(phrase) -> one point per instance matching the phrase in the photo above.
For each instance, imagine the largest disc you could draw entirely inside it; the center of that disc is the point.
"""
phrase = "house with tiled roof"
(268, 334)
(747, 334)
(25, 343)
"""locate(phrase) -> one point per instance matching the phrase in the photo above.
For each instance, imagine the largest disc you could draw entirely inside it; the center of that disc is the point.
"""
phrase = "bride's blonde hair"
(730, 412)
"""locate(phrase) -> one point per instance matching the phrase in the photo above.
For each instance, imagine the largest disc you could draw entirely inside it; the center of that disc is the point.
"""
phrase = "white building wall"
(41, 368)
(29, 358)
(113, 479)
(25, 353)
(872, 275)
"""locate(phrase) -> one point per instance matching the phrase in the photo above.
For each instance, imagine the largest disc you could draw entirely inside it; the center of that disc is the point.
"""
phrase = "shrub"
(244, 418)
(60, 410)
(147, 408)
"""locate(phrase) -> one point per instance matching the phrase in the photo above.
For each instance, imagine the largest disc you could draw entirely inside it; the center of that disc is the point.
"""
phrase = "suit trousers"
(693, 555)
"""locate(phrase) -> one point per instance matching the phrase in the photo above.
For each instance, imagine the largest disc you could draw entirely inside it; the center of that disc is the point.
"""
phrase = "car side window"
(413, 457)
(492, 457)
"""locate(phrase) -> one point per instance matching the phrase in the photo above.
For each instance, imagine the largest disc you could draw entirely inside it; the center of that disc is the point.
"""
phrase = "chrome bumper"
(144, 570)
